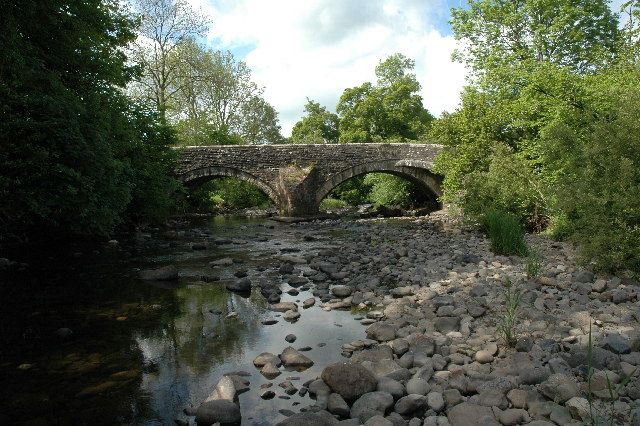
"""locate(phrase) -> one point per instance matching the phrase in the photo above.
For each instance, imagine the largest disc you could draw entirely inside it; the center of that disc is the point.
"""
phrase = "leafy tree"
(317, 126)
(216, 96)
(165, 25)
(76, 153)
(497, 33)
(391, 109)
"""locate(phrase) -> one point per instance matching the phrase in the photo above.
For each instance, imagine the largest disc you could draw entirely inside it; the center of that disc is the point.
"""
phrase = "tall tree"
(217, 94)
(165, 24)
(573, 33)
(317, 126)
(391, 109)
(74, 148)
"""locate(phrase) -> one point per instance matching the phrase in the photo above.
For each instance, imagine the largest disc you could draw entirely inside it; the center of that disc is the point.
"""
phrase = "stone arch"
(415, 171)
(194, 178)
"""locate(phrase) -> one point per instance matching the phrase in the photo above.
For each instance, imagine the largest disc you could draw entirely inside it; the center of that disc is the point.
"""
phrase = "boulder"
(164, 273)
(341, 290)
(266, 358)
(381, 332)
(220, 411)
(350, 380)
(292, 358)
(412, 403)
(242, 285)
(371, 404)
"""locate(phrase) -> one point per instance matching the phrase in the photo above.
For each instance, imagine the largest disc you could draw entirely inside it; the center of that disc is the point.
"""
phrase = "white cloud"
(317, 48)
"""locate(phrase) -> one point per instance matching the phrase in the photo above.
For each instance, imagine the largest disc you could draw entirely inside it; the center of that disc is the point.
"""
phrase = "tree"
(392, 109)
(578, 34)
(317, 126)
(76, 152)
(165, 25)
(216, 94)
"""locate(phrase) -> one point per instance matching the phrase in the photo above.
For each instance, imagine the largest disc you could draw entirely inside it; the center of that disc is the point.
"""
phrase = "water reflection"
(141, 353)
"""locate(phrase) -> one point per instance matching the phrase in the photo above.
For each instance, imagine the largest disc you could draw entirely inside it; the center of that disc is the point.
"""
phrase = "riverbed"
(90, 343)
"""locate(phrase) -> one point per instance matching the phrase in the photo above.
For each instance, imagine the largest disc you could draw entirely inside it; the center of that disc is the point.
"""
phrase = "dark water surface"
(139, 353)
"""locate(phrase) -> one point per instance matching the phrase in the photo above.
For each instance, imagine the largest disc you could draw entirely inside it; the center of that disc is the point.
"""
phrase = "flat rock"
(467, 414)
(291, 315)
(319, 418)
(283, 307)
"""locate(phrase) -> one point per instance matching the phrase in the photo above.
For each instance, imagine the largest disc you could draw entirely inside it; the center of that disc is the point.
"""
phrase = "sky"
(299, 49)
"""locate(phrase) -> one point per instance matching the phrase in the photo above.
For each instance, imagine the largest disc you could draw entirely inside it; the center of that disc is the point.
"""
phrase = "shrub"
(505, 233)
(332, 204)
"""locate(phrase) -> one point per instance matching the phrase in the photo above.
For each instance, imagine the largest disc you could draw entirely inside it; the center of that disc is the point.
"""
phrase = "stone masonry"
(298, 177)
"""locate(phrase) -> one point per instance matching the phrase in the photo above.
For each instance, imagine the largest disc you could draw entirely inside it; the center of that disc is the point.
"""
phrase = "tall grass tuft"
(508, 322)
(505, 233)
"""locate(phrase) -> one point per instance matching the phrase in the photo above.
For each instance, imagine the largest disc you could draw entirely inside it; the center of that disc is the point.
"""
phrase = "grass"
(534, 263)
(507, 326)
(505, 233)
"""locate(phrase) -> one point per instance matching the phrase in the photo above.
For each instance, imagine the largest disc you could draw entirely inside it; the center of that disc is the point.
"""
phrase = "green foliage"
(577, 34)
(318, 126)
(505, 233)
(228, 193)
(388, 190)
(77, 154)
(548, 129)
(600, 187)
(509, 319)
(353, 191)
(391, 109)
(534, 263)
(332, 204)
(213, 98)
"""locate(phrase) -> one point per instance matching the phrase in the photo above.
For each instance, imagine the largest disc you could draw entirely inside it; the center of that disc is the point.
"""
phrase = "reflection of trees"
(195, 343)
(204, 338)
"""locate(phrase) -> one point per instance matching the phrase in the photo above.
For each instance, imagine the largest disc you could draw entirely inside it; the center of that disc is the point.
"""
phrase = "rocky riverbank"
(432, 296)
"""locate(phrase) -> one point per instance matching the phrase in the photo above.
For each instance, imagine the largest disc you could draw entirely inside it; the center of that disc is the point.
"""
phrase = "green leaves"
(390, 110)
(318, 126)
(496, 33)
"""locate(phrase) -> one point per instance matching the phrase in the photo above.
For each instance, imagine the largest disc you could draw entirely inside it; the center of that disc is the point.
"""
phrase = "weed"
(534, 263)
(507, 326)
(505, 232)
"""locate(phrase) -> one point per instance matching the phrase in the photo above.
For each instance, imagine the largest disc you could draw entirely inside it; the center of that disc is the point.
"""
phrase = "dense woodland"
(94, 94)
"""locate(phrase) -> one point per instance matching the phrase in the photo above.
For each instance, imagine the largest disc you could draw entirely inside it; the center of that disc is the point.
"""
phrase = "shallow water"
(139, 353)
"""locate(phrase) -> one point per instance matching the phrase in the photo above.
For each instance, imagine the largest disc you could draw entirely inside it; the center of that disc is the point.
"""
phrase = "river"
(86, 342)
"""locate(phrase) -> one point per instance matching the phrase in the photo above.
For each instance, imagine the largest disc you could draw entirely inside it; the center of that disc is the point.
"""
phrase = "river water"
(84, 341)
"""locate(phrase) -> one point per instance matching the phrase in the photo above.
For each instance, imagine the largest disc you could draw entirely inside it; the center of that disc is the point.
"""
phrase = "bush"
(228, 193)
(332, 204)
(388, 190)
(505, 233)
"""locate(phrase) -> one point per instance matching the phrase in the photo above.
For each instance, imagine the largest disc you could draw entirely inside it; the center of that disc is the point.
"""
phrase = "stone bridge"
(298, 177)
